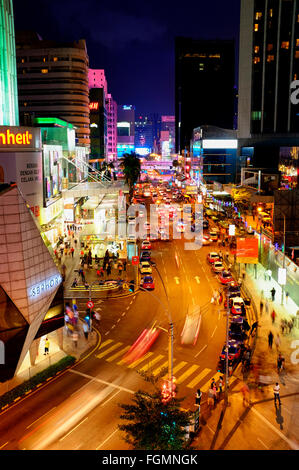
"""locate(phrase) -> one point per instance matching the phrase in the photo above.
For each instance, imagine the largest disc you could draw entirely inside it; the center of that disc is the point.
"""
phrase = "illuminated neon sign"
(44, 286)
(94, 105)
(21, 138)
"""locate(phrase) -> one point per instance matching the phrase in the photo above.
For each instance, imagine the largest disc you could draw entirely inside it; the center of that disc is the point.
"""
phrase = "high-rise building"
(111, 107)
(98, 125)
(53, 81)
(125, 129)
(268, 119)
(168, 127)
(204, 86)
(9, 112)
(97, 79)
(144, 134)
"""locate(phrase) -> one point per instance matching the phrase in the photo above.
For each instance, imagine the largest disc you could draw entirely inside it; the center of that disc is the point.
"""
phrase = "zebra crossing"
(186, 373)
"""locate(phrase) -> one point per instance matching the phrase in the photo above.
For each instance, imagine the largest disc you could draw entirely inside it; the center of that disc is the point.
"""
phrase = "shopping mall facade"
(48, 179)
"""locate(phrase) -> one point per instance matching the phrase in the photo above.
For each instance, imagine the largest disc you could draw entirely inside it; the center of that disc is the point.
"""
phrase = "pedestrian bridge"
(90, 189)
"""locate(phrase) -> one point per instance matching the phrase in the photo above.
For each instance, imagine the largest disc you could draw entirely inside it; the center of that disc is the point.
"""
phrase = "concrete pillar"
(33, 351)
(59, 334)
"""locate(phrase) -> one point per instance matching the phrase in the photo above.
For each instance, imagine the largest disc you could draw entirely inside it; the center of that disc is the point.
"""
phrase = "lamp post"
(284, 256)
(226, 350)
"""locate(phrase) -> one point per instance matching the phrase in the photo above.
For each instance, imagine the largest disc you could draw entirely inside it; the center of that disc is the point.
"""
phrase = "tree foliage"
(154, 425)
(130, 165)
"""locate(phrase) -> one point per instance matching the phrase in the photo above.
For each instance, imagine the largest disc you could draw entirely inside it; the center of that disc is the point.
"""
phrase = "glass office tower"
(9, 113)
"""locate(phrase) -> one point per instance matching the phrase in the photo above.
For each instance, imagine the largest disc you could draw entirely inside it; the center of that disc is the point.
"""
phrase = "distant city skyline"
(133, 44)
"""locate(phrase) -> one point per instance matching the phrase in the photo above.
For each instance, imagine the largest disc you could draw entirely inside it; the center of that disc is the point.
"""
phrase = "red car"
(225, 277)
(141, 345)
(212, 257)
(147, 282)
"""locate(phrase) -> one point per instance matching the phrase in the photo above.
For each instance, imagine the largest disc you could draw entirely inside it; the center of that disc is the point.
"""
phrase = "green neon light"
(53, 121)
(9, 111)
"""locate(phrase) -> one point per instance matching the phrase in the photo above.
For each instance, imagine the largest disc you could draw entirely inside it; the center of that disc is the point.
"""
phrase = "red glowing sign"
(94, 105)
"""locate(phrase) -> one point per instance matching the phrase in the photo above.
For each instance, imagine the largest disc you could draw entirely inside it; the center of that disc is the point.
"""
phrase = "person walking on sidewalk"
(220, 385)
(276, 391)
(277, 341)
(273, 291)
(47, 345)
(85, 330)
(254, 327)
(261, 307)
(75, 338)
(270, 339)
(273, 315)
(280, 363)
(245, 392)
(198, 397)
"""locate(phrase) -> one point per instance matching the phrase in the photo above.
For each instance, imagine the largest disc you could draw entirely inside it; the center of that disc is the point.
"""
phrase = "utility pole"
(284, 256)
(226, 354)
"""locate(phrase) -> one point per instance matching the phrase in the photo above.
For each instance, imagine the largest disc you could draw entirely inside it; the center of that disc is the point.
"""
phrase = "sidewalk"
(73, 264)
(231, 427)
(27, 371)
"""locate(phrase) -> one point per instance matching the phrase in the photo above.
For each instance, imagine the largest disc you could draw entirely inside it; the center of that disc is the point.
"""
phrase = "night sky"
(132, 40)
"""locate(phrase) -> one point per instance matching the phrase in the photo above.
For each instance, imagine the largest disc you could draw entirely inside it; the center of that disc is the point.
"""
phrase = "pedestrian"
(86, 285)
(276, 390)
(72, 252)
(254, 327)
(245, 392)
(47, 345)
(287, 297)
(125, 265)
(120, 268)
(85, 330)
(277, 341)
(273, 294)
(267, 306)
(273, 315)
(280, 363)
(75, 338)
(210, 398)
(75, 282)
(261, 307)
(220, 298)
(109, 269)
(290, 325)
(214, 390)
(220, 384)
(282, 325)
(213, 383)
(198, 397)
(270, 339)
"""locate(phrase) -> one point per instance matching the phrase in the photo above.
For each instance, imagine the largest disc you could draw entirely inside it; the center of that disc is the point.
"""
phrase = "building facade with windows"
(268, 119)
(204, 86)
(111, 107)
(9, 111)
(125, 129)
(53, 82)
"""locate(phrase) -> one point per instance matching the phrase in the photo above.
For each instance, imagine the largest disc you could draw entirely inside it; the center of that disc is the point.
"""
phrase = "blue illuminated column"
(9, 112)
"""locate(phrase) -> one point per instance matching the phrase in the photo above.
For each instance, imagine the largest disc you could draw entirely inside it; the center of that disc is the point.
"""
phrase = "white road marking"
(112, 396)
(201, 350)
(107, 439)
(214, 332)
(123, 389)
(197, 279)
(61, 439)
(292, 444)
(4, 445)
(40, 417)
(263, 443)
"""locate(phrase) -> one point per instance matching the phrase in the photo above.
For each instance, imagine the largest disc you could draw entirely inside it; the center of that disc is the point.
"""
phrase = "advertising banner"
(247, 250)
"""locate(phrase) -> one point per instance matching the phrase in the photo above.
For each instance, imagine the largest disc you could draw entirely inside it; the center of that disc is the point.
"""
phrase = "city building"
(268, 112)
(111, 107)
(213, 155)
(29, 284)
(9, 110)
(53, 82)
(98, 126)
(144, 134)
(167, 135)
(97, 79)
(125, 129)
(204, 86)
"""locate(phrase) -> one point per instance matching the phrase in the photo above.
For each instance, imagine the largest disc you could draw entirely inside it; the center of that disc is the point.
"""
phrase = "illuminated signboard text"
(94, 105)
(44, 286)
(21, 138)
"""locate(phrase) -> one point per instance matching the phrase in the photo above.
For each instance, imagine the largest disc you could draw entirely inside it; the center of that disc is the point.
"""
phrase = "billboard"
(247, 250)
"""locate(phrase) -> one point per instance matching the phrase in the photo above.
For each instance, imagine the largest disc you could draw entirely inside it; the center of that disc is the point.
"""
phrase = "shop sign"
(44, 286)
(94, 105)
(135, 260)
(19, 137)
(48, 213)
(232, 230)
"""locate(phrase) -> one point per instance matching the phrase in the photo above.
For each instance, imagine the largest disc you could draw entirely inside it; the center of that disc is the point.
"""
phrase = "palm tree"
(130, 165)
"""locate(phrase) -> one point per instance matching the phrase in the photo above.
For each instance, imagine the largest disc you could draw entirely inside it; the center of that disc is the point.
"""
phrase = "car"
(226, 277)
(145, 267)
(237, 306)
(146, 245)
(234, 351)
(141, 345)
(205, 240)
(191, 328)
(236, 329)
(147, 282)
(131, 219)
(213, 236)
(212, 257)
(217, 267)
(145, 256)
